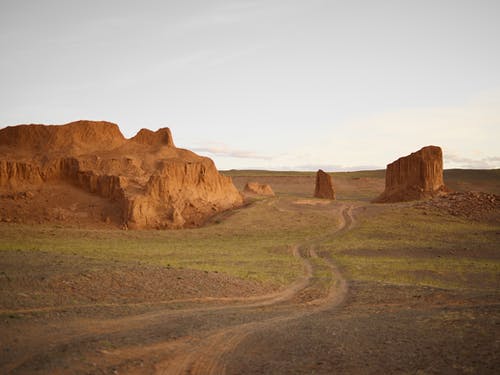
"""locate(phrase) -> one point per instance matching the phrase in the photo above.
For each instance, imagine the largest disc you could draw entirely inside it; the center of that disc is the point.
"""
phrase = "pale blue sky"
(264, 83)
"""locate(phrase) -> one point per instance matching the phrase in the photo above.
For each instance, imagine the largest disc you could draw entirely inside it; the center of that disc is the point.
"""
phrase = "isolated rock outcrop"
(258, 189)
(413, 177)
(324, 185)
(150, 182)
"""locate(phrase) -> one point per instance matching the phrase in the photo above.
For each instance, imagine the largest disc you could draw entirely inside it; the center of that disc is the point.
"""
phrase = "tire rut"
(209, 356)
(197, 355)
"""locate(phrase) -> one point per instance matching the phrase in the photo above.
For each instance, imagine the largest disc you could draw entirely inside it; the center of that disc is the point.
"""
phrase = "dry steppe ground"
(285, 285)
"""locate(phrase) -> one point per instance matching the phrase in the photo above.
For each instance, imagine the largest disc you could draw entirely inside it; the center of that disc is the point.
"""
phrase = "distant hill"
(486, 180)
(377, 173)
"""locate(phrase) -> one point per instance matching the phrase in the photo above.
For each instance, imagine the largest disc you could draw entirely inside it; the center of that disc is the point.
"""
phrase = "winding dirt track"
(208, 356)
(198, 340)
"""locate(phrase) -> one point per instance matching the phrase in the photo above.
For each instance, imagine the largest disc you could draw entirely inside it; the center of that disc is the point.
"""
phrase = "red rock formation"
(324, 186)
(258, 189)
(160, 137)
(74, 138)
(152, 183)
(416, 176)
(13, 172)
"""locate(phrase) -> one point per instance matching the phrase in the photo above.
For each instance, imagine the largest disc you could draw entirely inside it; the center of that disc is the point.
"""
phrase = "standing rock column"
(416, 176)
(324, 185)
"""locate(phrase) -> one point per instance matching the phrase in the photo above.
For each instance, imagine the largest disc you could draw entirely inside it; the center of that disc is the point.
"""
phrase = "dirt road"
(316, 325)
(210, 354)
(197, 339)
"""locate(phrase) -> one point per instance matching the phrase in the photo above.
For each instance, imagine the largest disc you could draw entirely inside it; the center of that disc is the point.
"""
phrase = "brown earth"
(68, 314)
(324, 186)
(145, 319)
(44, 281)
(258, 189)
(346, 187)
(416, 176)
(364, 185)
(281, 185)
(142, 182)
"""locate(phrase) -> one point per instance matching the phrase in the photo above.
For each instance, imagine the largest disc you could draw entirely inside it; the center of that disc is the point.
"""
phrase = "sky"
(264, 84)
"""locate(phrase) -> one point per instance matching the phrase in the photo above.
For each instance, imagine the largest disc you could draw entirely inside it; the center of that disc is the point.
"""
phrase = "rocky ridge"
(151, 183)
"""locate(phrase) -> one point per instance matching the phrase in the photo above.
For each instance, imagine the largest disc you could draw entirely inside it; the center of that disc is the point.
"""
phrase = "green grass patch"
(322, 277)
(407, 228)
(253, 243)
(401, 245)
(444, 272)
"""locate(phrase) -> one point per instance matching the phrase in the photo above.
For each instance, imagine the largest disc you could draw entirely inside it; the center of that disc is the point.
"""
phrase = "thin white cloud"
(223, 150)
(468, 134)
(468, 163)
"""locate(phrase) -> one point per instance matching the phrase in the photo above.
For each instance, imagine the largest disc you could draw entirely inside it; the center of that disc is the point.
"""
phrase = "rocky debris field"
(471, 205)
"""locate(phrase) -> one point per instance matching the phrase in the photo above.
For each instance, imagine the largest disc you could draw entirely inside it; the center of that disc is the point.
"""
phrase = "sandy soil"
(42, 281)
(320, 324)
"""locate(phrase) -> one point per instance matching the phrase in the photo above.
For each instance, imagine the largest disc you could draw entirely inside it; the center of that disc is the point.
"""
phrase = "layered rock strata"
(152, 183)
(413, 177)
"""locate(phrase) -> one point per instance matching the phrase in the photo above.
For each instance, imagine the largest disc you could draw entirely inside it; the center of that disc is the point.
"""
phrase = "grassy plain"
(252, 242)
(408, 246)
(473, 180)
(400, 244)
(422, 288)
(394, 243)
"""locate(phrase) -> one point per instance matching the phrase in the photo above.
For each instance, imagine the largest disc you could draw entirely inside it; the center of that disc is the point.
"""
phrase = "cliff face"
(182, 194)
(416, 176)
(324, 186)
(150, 182)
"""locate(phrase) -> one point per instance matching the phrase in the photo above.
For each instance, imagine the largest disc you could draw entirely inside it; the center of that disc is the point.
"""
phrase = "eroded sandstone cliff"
(413, 177)
(150, 182)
